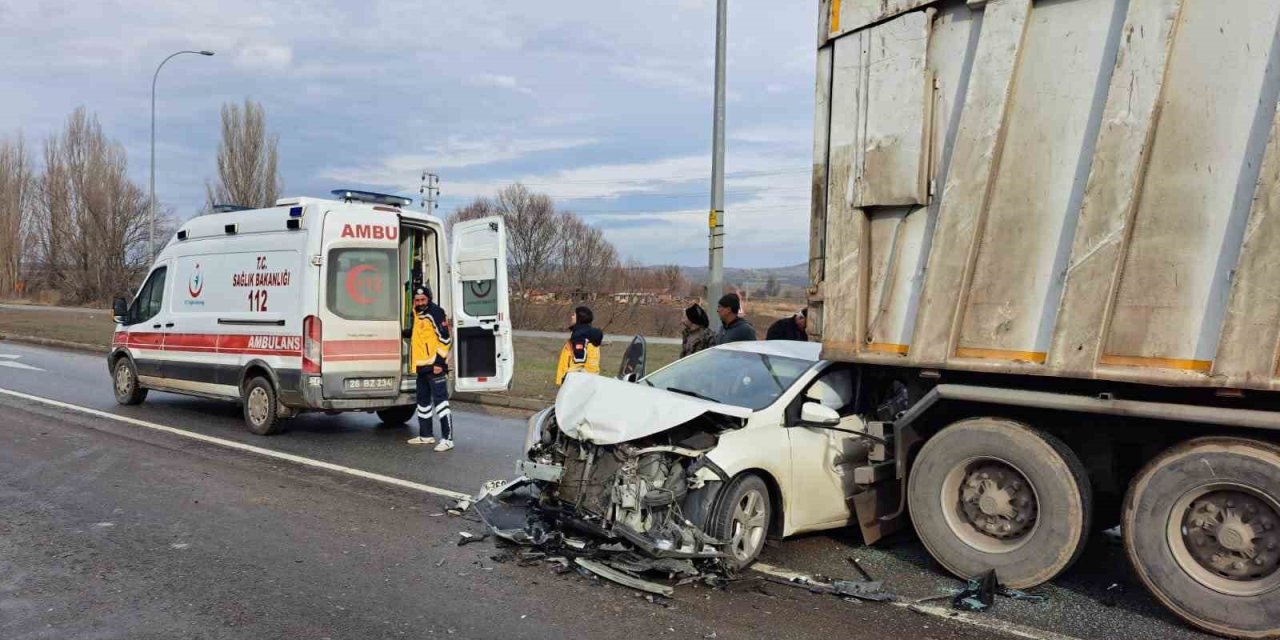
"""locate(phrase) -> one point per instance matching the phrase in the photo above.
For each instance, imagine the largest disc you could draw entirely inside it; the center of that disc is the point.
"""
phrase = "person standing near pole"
(697, 334)
(581, 351)
(735, 328)
(430, 341)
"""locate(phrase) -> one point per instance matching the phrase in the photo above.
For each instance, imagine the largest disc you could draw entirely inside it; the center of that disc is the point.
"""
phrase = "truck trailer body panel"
(1075, 188)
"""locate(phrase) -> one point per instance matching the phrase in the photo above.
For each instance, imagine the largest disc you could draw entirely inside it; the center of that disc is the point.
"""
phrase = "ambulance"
(303, 307)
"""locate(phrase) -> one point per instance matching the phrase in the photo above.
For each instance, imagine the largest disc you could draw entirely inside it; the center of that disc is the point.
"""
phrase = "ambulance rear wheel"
(397, 416)
(125, 379)
(260, 408)
(1202, 529)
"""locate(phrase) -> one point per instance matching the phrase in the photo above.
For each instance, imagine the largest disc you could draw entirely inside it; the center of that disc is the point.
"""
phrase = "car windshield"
(739, 378)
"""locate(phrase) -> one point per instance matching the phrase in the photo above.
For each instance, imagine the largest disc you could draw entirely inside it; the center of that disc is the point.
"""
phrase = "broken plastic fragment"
(979, 594)
(624, 579)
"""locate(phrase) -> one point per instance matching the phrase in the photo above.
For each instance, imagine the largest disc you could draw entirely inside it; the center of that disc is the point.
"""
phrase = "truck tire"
(1201, 527)
(124, 379)
(397, 416)
(260, 409)
(741, 518)
(990, 493)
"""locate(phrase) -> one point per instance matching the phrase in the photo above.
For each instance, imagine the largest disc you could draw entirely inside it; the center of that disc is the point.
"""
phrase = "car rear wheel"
(125, 381)
(1202, 529)
(397, 416)
(742, 518)
(989, 493)
(260, 410)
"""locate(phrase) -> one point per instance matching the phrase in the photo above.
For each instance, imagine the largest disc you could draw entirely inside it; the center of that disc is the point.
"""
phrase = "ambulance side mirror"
(120, 310)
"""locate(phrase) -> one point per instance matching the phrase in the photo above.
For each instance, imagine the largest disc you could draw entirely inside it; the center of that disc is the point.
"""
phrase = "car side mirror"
(818, 415)
(120, 310)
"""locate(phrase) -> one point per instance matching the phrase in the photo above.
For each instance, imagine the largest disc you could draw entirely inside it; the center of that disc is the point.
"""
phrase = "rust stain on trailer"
(1037, 357)
(886, 347)
(1200, 366)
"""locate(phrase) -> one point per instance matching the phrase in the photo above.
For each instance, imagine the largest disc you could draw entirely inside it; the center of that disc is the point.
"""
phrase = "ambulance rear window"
(361, 285)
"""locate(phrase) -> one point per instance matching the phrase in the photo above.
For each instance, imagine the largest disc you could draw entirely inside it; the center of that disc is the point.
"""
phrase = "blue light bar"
(295, 212)
(370, 197)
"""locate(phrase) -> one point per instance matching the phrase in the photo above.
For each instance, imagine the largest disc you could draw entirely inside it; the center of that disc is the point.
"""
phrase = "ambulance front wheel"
(125, 379)
(261, 411)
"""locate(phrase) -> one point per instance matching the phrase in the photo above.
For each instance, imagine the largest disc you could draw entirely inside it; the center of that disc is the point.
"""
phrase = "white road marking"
(982, 621)
(11, 361)
(232, 444)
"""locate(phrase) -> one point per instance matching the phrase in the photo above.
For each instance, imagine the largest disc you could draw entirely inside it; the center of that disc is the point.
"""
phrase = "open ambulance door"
(485, 357)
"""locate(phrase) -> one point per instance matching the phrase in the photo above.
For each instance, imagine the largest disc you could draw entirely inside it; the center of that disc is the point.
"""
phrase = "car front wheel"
(741, 520)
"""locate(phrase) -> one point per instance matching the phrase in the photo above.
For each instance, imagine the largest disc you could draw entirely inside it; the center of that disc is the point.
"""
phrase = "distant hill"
(793, 279)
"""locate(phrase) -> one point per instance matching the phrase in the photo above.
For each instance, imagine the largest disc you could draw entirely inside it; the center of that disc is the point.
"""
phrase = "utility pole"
(430, 191)
(151, 219)
(715, 246)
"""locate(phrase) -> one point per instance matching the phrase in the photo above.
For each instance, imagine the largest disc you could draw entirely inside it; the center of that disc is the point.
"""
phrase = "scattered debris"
(861, 570)
(622, 578)
(1017, 594)
(979, 594)
(460, 507)
(1111, 596)
(440, 564)
(466, 537)
(872, 590)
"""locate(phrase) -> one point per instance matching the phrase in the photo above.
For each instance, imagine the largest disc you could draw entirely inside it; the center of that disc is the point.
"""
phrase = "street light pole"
(715, 247)
(151, 235)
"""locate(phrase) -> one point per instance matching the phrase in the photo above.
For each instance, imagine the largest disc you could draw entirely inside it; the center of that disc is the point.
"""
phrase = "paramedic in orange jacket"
(582, 351)
(430, 341)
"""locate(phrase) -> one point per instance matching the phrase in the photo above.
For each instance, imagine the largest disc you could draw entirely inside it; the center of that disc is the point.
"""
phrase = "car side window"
(151, 298)
(835, 388)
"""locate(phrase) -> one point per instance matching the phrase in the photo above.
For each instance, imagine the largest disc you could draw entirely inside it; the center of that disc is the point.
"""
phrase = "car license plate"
(369, 384)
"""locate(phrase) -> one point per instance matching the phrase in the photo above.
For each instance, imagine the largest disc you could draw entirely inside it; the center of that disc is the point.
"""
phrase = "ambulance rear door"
(484, 355)
(359, 315)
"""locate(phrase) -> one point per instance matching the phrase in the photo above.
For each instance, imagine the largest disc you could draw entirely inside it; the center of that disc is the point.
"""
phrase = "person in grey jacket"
(734, 327)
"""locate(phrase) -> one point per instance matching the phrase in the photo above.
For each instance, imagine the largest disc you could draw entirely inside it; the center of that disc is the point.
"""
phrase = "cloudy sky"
(605, 106)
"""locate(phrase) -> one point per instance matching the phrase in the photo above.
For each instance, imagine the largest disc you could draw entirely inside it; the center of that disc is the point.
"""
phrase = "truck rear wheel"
(260, 409)
(1202, 528)
(989, 493)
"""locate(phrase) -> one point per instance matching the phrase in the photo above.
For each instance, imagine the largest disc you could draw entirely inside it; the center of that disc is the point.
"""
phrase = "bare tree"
(585, 255)
(533, 235)
(247, 174)
(17, 187)
(474, 210)
(90, 219)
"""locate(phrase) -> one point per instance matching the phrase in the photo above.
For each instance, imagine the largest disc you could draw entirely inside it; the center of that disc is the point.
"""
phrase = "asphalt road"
(112, 530)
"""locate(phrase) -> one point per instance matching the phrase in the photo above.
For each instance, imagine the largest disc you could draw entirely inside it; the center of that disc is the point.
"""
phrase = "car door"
(822, 460)
(147, 321)
(483, 351)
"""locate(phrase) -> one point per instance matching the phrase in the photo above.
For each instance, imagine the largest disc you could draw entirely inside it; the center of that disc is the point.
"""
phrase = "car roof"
(811, 351)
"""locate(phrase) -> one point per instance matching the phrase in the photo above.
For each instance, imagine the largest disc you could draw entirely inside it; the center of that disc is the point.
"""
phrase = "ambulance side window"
(150, 299)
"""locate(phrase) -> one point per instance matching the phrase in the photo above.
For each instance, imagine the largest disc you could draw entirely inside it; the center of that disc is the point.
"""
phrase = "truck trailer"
(1049, 233)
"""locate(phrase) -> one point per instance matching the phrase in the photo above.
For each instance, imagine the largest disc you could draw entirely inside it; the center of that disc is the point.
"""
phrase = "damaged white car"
(703, 459)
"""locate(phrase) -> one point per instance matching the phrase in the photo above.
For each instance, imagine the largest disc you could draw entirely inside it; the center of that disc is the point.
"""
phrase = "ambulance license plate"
(369, 384)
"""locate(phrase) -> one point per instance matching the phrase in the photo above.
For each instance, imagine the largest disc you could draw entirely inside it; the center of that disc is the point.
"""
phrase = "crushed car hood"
(605, 411)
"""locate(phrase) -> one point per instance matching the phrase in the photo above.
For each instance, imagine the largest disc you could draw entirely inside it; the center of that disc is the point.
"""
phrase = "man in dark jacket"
(735, 328)
(792, 328)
